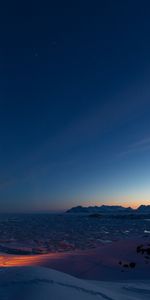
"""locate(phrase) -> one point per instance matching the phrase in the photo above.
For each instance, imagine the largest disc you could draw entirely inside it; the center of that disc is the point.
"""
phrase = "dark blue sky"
(74, 104)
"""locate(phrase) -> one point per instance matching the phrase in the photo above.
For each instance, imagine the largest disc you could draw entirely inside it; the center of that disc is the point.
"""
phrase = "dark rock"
(132, 265)
(126, 266)
(97, 216)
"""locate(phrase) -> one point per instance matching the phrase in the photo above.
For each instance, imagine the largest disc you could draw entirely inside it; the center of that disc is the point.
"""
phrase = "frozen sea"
(49, 233)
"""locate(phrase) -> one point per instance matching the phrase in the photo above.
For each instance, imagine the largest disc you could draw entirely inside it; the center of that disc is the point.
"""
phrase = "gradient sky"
(74, 104)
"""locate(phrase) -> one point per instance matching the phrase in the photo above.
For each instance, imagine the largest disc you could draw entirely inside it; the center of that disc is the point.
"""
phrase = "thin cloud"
(141, 145)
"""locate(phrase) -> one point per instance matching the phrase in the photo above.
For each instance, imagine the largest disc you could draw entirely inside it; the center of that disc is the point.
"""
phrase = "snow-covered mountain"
(100, 209)
(144, 209)
(37, 283)
(109, 209)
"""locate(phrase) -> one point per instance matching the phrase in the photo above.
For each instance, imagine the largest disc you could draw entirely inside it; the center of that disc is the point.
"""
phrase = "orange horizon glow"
(132, 205)
(126, 202)
(8, 260)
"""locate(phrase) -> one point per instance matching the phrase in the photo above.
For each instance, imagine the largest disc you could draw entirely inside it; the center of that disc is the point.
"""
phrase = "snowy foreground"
(38, 283)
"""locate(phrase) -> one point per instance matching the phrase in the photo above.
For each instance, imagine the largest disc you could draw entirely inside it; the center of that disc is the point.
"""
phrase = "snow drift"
(37, 283)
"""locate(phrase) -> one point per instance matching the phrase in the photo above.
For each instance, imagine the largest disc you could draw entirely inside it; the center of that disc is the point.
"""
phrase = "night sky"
(74, 104)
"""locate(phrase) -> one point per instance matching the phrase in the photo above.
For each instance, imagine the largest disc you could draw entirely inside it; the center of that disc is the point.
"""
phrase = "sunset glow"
(26, 260)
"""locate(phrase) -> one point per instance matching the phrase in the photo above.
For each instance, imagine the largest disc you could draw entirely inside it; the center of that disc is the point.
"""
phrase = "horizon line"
(54, 211)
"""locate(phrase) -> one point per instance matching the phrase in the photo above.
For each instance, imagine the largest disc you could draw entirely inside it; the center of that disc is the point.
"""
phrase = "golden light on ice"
(26, 260)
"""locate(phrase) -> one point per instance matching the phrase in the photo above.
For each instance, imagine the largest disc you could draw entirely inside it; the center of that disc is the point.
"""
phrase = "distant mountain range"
(109, 209)
(144, 209)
